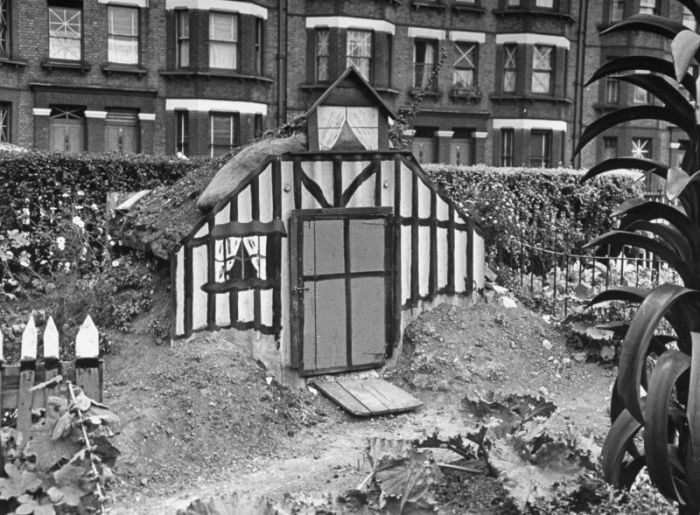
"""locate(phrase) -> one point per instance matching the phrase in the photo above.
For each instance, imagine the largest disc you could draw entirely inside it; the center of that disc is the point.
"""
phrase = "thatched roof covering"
(159, 221)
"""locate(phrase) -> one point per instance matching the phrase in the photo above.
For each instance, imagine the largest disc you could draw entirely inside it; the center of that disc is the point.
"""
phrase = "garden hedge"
(542, 207)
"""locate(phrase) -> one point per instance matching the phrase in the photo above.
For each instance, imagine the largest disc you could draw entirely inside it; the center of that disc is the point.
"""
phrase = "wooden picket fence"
(17, 380)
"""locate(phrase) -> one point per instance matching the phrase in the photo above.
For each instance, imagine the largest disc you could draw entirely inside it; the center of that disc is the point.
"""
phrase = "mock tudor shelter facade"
(202, 76)
(320, 247)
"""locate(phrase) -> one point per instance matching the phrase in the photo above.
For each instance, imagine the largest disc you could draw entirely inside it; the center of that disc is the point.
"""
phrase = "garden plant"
(655, 402)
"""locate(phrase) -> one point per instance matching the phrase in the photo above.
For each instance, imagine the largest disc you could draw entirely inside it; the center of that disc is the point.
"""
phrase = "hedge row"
(542, 207)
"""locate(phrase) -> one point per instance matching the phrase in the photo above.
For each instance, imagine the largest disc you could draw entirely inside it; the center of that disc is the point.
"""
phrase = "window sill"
(429, 93)
(468, 8)
(466, 94)
(598, 106)
(535, 12)
(80, 66)
(532, 98)
(6, 61)
(109, 68)
(387, 91)
(426, 4)
(209, 74)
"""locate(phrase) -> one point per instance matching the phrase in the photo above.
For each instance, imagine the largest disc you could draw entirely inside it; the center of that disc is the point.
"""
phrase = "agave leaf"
(649, 23)
(627, 114)
(635, 347)
(661, 89)
(681, 183)
(621, 293)
(683, 48)
(634, 63)
(693, 417)
(645, 210)
(669, 368)
(621, 435)
(659, 248)
(625, 163)
(628, 204)
(669, 234)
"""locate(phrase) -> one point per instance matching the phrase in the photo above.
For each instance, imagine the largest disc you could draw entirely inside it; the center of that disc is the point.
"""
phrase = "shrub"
(543, 207)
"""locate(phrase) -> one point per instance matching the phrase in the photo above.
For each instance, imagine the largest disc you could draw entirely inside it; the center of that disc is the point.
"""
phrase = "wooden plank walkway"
(367, 397)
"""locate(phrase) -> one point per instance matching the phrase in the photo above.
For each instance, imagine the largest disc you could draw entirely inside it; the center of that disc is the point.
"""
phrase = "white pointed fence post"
(87, 364)
(27, 370)
(52, 363)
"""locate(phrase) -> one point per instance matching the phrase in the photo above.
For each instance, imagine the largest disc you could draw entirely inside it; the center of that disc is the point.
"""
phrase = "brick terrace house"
(203, 76)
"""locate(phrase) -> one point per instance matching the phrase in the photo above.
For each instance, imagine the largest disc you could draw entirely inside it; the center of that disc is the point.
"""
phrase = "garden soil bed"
(203, 418)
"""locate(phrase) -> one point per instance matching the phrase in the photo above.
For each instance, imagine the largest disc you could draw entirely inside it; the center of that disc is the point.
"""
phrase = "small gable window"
(348, 128)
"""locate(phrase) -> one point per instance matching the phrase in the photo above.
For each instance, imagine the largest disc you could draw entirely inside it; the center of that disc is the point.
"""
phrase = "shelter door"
(343, 289)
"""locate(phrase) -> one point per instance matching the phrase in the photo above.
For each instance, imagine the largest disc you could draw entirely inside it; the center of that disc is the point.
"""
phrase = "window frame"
(642, 140)
(235, 43)
(650, 7)
(644, 96)
(318, 57)
(545, 159)
(233, 135)
(182, 131)
(259, 46)
(510, 67)
(182, 58)
(5, 29)
(473, 65)
(606, 145)
(79, 9)
(507, 147)
(424, 79)
(137, 37)
(615, 11)
(5, 122)
(553, 7)
(539, 72)
(350, 59)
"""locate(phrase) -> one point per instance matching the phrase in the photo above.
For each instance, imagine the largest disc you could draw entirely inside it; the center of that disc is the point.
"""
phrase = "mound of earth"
(196, 411)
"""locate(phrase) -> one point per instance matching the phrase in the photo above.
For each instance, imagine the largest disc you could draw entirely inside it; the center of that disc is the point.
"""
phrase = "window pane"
(183, 39)
(223, 37)
(548, 4)
(223, 27)
(641, 148)
(65, 32)
(507, 147)
(322, 53)
(640, 95)
(609, 147)
(123, 44)
(647, 6)
(424, 60)
(617, 8)
(359, 51)
(539, 149)
(463, 78)
(542, 69)
(509, 68)
(223, 133)
(464, 73)
(123, 21)
(612, 91)
(183, 132)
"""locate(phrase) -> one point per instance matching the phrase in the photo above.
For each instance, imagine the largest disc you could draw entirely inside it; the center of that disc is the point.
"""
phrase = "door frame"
(296, 282)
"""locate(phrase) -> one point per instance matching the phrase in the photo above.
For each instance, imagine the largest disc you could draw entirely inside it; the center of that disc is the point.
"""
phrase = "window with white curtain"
(223, 41)
(510, 70)
(4, 28)
(359, 51)
(424, 57)
(464, 70)
(224, 133)
(65, 33)
(240, 258)
(123, 35)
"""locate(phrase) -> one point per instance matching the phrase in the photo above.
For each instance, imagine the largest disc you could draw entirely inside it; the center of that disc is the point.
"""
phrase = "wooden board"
(367, 397)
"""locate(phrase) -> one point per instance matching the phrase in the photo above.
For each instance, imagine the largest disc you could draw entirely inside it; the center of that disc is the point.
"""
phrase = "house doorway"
(342, 284)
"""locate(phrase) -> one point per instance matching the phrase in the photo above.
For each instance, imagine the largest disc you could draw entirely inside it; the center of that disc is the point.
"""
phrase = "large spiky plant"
(655, 406)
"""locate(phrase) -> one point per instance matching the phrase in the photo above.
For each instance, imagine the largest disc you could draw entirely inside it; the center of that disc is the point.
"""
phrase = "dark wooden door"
(67, 136)
(343, 283)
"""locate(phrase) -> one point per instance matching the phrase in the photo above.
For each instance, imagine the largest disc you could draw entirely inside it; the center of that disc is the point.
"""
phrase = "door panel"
(367, 245)
(330, 258)
(331, 324)
(66, 136)
(121, 138)
(368, 320)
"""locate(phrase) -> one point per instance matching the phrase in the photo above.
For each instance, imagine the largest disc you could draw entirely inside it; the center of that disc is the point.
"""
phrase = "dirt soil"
(203, 418)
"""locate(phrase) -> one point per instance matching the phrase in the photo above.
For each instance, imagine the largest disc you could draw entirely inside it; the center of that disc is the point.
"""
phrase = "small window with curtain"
(359, 51)
(612, 90)
(224, 133)
(424, 58)
(223, 41)
(4, 122)
(182, 132)
(123, 35)
(507, 137)
(540, 149)
(4, 28)
(322, 55)
(65, 33)
(183, 38)
(241, 255)
(648, 7)
(510, 70)
(259, 45)
(464, 74)
(542, 66)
